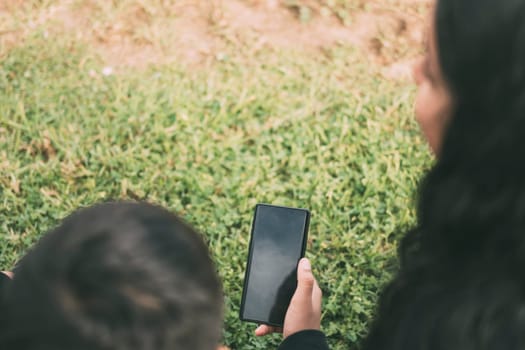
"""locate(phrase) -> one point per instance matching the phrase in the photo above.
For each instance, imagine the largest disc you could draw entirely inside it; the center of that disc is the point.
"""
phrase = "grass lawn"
(325, 132)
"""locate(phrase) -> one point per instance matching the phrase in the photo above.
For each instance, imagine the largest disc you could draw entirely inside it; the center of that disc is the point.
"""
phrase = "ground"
(138, 33)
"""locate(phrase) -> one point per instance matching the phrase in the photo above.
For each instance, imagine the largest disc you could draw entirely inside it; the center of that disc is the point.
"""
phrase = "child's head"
(115, 276)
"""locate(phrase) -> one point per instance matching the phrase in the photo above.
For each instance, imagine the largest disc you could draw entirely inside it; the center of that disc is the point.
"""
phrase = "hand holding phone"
(278, 242)
(304, 311)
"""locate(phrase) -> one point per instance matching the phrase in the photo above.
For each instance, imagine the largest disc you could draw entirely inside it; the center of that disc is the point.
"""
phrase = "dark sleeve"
(4, 280)
(305, 340)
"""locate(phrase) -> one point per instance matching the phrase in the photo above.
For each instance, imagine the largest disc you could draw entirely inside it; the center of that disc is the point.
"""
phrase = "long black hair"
(461, 283)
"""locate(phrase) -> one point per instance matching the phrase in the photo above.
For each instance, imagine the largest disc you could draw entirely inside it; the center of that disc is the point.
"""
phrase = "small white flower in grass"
(221, 56)
(107, 71)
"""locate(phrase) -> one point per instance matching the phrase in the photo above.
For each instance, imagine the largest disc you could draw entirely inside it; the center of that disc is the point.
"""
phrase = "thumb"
(305, 279)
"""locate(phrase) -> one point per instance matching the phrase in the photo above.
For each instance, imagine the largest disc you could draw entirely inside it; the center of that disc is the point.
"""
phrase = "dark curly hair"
(114, 276)
(461, 283)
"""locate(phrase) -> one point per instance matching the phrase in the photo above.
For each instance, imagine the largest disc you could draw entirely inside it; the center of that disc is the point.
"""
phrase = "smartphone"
(278, 242)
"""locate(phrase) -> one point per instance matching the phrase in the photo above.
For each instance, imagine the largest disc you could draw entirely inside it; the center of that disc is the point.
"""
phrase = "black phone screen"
(277, 244)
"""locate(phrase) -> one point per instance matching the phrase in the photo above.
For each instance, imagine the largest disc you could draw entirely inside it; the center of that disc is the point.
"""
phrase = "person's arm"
(305, 340)
(302, 324)
(5, 277)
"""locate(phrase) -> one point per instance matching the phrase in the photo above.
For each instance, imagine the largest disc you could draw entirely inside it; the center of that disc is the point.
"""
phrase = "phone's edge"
(248, 267)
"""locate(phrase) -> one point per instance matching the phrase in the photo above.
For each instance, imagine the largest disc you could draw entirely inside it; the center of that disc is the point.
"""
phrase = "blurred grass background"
(325, 128)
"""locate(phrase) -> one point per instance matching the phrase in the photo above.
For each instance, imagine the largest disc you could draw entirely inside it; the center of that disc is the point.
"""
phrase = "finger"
(263, 330)
(317, 299)
(305, 280)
